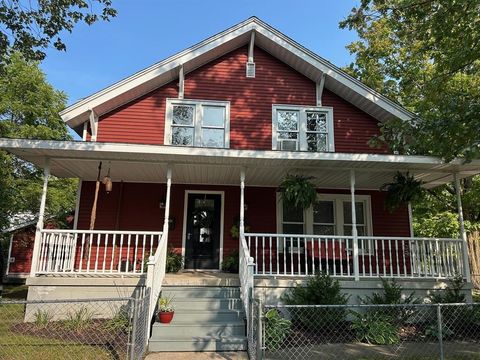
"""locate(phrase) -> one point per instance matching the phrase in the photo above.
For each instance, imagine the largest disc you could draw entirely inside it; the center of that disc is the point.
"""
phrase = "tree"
(29, 108)
(424, 54)
(30, 27)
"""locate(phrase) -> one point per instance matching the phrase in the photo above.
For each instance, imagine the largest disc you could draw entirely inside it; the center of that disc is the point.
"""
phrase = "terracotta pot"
(165, 317)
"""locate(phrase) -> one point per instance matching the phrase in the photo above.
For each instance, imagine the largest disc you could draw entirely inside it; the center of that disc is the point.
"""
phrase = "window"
(330, 215)
(297, 128)
(197, 123)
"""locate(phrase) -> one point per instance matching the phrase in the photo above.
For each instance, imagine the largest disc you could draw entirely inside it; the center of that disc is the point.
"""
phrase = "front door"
(202, 237)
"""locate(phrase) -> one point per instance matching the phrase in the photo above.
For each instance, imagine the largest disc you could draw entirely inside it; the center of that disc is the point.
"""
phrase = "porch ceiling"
(148, 163)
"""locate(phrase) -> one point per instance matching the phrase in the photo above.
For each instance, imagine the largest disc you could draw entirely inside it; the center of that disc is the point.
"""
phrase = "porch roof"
(147, 163)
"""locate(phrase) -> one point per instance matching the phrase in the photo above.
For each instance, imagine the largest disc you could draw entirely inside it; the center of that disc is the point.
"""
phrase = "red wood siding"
(22, 248)
(353, 128)
(143, 120)
(139, 210)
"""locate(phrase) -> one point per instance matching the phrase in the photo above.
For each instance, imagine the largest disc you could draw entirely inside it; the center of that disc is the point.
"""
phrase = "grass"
(476, 295)
(14, 291)
(15, 346)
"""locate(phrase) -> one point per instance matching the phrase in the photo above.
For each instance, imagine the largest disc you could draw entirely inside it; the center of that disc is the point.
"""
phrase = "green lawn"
(14, 291)
(15, 346)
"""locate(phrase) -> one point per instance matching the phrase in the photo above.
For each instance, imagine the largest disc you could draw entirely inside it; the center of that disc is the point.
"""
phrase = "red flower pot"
(165, 317)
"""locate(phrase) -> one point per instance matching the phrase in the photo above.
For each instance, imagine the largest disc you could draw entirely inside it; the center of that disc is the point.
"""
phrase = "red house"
(200, 142)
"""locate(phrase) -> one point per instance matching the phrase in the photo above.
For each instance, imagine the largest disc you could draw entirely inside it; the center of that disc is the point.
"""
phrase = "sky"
(147, 31)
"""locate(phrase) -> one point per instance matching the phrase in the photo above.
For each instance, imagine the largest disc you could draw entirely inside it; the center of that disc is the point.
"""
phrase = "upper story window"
(197, 123)
(299, 128)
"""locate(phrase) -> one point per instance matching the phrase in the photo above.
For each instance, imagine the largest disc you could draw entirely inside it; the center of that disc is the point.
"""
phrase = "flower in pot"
(165, 310)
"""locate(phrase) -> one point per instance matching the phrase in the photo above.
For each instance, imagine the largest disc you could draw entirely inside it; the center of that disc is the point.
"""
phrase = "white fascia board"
(84, 148)
(201, 48)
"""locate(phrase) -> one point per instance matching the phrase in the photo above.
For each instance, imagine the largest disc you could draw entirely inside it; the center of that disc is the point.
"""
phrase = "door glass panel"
(203, 217)
(293, 228)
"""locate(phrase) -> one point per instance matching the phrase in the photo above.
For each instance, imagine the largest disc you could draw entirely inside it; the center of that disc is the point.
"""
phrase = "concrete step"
(202, 316)
(231, 343)
(207, 304)
(200, 292)
(188, 330)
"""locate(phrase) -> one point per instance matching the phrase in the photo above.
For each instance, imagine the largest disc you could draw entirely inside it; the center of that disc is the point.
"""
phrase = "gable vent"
(250, 69)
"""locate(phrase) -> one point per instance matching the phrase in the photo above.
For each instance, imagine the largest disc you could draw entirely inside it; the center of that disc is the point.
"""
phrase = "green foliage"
(42, 318)
(375, 328)
(230, 263)
(33, 26)
(432, 330)
(425, 55)
(276, 329)
(392, 294)
(298, 191)
(451, 294)
(174, 261)
(402, 190)
(79, 319)
(320, 289)
(120, 322)
(29, 108)
(165, 304)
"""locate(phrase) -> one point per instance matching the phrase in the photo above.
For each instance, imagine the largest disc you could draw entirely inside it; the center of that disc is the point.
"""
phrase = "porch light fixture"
(107, 181)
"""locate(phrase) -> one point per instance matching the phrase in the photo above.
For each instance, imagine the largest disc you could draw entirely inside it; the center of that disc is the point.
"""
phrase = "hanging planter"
(298, 191)
(403, 190)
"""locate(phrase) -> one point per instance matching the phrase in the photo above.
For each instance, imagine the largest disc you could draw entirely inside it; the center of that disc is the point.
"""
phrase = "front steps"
(207, 318)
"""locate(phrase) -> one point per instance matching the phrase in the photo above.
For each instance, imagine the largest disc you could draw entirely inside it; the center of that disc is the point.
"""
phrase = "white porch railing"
(246, 270)
(156, 274)
(402, 257)
(95, 251)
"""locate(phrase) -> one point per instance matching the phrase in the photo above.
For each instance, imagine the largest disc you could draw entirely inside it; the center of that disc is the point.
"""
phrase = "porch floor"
(201, 278)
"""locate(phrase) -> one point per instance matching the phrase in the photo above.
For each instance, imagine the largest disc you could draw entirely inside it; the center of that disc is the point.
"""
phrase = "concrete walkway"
(197, 355)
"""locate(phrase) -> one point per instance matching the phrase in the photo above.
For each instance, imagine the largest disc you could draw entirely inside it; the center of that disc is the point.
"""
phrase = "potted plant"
(298, 191)
(404, 189)
(165, 310)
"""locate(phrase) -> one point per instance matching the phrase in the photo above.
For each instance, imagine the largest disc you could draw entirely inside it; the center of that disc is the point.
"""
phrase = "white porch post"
(167, 201)
(463, 234)
(356, 272)
(41, 215)
(241, 229)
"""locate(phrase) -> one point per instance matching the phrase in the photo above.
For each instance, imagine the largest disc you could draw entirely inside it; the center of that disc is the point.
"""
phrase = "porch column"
(463, 234)
(167, 201)
(241, 229)
(41, 215)
(354, 227)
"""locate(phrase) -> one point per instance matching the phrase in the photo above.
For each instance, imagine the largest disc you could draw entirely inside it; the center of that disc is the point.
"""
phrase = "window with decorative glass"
(298, 128)
(197, 123)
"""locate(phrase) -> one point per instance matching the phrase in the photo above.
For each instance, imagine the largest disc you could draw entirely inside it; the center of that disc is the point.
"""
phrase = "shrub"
(375, 328)
(451, 294)
(79, 319)
(120, 322)
(42, 318)
(276, 329)
(174, 261)
(230, 263)
(392, 294)
(319, 289)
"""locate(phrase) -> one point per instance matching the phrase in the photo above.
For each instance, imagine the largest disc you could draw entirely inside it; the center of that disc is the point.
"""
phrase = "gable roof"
(266, 37)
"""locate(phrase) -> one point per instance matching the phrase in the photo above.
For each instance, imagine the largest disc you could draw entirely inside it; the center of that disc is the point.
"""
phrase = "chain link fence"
(426, 331)
(112, 328)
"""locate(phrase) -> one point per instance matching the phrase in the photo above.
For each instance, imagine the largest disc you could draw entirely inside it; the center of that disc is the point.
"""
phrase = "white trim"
(77, 204)
(85, 131)
(197, 120)
(181, 83)
(222, 210)
(76, 111)
(93, 125)
(302, 144)
(9, 255)
(319, 88)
